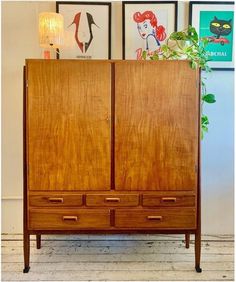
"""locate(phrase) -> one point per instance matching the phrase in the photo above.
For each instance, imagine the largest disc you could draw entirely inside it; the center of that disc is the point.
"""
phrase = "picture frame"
(214, 22)
(145, 25)
(87, 30)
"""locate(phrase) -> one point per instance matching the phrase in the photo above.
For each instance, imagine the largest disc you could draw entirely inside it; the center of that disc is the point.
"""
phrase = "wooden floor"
(118, 258)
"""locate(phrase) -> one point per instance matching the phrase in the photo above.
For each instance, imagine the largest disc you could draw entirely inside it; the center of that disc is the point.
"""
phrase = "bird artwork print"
(83, 45)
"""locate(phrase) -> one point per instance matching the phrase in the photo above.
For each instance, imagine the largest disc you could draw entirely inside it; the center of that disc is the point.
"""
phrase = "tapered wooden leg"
(38, 241)
(198, 251)
(26, 252)
(187, 240)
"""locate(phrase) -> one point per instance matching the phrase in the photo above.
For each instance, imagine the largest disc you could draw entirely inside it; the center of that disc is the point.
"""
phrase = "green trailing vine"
(186, 45)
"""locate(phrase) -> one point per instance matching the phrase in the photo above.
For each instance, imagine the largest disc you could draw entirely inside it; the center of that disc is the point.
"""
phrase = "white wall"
(218, 156)
(20, 41)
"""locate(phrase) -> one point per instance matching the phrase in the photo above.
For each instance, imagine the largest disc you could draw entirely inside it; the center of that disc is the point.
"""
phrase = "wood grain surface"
(156, 218)
(156, 126)
(68, 124)
(51, 199)
(115, 200)
(68, 219)
(152, 200)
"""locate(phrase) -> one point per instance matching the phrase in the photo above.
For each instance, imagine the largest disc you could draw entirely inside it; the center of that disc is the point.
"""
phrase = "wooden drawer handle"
(70, 217)
(154, 217)
(169, 200)
(112, 199)
(55, 200)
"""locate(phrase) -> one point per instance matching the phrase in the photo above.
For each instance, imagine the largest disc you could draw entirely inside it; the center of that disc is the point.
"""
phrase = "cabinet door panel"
(68, 135)
(156, 126)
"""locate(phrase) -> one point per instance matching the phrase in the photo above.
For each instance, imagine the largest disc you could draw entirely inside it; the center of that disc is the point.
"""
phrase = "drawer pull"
(112, 199)
(169, 200)
(70, 217)
(55, 200)
(154, 217)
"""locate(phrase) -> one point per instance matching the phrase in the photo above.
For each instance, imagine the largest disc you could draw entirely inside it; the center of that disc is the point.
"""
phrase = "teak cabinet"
(111, 147)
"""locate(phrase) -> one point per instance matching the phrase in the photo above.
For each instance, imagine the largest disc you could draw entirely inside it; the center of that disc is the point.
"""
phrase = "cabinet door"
(156, 126)
(68, 125)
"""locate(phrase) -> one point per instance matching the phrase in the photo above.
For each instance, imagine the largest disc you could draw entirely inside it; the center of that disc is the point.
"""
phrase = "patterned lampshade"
(51, 30)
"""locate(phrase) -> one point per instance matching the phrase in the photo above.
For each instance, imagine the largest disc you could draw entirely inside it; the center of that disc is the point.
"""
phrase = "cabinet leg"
(197, 251)
(26, 252)
(38, 241)
(187, 240)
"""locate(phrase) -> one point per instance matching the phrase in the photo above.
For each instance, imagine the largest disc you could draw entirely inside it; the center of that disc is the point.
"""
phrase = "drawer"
(55, 200)
(156, 218)
(152, 200)
(110, 200)
(68, 219)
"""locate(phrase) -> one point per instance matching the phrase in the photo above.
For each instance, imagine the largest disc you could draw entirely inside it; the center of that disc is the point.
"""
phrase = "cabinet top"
(53, 61)
(104, 61)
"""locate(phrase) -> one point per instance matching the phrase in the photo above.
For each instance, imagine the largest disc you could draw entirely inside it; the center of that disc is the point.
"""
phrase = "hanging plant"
(186, 45)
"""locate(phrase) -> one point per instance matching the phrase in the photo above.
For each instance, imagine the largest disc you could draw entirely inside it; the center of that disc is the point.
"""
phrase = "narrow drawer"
(68, 219)
(156, 218)
(55, 200)
(152, 200)
(118, 200)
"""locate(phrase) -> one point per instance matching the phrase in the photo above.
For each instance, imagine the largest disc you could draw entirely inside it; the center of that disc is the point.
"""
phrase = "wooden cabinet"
(111, 147)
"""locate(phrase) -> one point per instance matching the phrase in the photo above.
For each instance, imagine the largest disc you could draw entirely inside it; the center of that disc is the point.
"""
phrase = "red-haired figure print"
(150, 30)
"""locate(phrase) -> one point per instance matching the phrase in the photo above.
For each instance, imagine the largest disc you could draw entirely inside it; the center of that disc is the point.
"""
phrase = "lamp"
(51, 29)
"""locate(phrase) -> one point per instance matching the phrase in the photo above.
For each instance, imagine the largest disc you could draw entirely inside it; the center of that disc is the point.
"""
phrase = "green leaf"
(205, 42)
(204, 125)
(202, 135)
(209, 98)
(178, 35)
(155, 57)
(207, 68)
(144, 55)
(164, 48)
(205, 129)
(192, 33)
(204, 120)
(193, 65)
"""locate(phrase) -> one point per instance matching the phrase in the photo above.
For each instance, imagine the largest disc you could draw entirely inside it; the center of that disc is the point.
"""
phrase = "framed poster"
(214, 22)
(146, 25)
(87, 30)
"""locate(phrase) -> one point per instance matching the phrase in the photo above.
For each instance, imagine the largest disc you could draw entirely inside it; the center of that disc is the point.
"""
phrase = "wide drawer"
(68, 219)
(55, 199)
(119, 200)
(152, 200)
(156, 218)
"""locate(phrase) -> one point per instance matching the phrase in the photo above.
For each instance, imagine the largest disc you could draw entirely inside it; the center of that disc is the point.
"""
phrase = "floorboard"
(118, 258)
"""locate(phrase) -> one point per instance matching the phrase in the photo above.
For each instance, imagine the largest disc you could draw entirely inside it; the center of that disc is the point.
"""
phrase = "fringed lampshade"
(51, 30)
